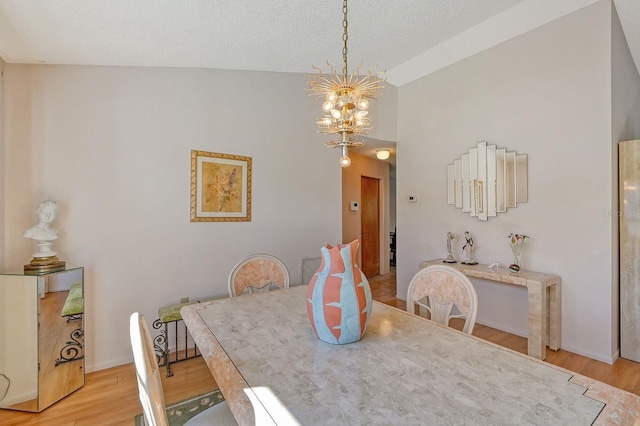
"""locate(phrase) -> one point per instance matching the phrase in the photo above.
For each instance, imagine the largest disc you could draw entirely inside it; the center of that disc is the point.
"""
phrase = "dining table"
(406, 370)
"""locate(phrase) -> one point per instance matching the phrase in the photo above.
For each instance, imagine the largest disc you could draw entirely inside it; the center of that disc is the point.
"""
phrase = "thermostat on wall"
(354, 206)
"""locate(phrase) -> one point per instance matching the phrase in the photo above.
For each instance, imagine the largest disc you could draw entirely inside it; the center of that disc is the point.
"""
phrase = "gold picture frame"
(220, 187)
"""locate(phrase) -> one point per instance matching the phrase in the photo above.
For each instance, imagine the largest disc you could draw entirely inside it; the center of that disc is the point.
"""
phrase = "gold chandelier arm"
(331, 68)
(317, 69)
(357, 70)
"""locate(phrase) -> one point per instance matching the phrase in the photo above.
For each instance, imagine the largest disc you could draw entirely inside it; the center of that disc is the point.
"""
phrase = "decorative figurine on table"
(450, 258)
(516, 241)
(44, 260)
(467, 249)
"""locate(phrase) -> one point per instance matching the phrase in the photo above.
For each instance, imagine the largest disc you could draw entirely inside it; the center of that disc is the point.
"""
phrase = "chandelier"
(346, 100)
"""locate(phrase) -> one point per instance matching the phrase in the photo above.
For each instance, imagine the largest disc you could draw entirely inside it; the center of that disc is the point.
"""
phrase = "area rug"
(180, 412)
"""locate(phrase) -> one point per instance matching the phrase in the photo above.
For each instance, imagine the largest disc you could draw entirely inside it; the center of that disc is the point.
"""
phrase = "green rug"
(179, 413)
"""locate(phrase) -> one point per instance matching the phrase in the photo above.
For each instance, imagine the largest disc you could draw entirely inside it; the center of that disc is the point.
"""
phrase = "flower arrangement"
(516, 241)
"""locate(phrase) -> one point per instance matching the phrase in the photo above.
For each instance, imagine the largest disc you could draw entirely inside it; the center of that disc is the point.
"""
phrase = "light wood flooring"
(110, 397)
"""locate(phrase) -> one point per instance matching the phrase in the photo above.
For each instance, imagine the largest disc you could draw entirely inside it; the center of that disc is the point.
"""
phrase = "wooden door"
(370, 225)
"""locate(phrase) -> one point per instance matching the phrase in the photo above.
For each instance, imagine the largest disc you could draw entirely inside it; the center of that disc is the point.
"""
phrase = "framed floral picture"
(220, 187)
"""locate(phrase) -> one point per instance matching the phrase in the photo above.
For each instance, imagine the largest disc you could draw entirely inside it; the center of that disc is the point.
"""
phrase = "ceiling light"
(382, 154)
(345, 100)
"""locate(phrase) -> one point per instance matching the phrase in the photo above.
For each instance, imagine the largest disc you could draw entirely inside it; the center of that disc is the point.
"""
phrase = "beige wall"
(351, 221)
(546, 93)
(384, 112)
(111, 145)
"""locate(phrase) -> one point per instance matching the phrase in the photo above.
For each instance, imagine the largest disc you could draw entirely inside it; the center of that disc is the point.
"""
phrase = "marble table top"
(500, 274)
(406, 370)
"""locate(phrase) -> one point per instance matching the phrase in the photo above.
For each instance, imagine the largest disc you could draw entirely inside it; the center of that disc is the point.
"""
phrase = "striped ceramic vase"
(339, 296)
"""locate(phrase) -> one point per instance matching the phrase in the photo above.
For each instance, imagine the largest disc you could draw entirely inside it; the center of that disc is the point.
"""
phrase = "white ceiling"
(268, 35)
(408, 38)
(274, 35)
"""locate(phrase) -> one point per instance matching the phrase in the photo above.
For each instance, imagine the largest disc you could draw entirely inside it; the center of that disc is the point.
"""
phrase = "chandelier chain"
(345, 37)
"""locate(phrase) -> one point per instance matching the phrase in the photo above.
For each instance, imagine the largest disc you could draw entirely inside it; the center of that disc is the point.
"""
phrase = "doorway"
(370, 225)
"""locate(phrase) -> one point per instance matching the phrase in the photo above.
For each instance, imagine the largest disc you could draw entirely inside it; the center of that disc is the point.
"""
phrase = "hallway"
(383, 289)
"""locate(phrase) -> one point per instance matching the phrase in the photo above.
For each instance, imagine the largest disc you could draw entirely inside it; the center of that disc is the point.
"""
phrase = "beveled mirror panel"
(464, 184)
(491, 177)
(473, 182)
(522, 188)
(480, 185)
(501, 170)
(451, 184)
(487, 180)
(42, 360)
(511, 179)
(457, 165)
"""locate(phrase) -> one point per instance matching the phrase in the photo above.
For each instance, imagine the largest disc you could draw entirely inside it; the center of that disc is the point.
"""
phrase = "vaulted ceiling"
(409, 38)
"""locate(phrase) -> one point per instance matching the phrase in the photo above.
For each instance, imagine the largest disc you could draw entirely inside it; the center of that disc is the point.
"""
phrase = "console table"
(543, 294)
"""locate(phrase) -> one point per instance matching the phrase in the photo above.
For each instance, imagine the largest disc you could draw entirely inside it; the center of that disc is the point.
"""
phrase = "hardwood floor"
(110, 397)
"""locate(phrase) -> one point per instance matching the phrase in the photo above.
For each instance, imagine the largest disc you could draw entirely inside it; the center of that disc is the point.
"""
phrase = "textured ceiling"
(271, 35)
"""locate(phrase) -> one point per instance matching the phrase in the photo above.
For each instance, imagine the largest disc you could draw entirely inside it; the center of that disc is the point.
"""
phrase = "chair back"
(438, 288)
(257, 274)
(149, 381)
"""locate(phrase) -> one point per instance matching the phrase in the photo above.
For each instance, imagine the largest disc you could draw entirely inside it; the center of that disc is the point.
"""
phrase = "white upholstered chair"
(438, 288)
(150, 384)
(257, 274)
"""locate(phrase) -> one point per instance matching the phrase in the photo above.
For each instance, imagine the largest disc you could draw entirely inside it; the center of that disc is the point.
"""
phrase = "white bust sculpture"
(42, 232)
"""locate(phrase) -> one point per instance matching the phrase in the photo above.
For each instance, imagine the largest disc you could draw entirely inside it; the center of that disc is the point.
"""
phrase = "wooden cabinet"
(41, 338)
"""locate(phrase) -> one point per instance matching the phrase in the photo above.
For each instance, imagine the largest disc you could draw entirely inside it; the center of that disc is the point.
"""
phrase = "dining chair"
(150, 383)
(438, 288)
(258, 273)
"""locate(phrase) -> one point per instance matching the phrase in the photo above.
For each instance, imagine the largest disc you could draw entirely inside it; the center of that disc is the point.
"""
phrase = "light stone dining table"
(407, 370)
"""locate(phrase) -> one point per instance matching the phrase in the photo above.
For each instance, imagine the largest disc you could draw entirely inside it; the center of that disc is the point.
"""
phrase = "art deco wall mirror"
(487, 180)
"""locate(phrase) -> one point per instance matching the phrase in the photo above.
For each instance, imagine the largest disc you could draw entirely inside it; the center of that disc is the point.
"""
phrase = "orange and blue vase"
(339, 297)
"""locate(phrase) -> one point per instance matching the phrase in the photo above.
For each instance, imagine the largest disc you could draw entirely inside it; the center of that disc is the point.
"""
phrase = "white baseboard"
(17, 399)
(521, 333)
(615, 356)
(128, 360)
(598, 357)
(104, 365)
